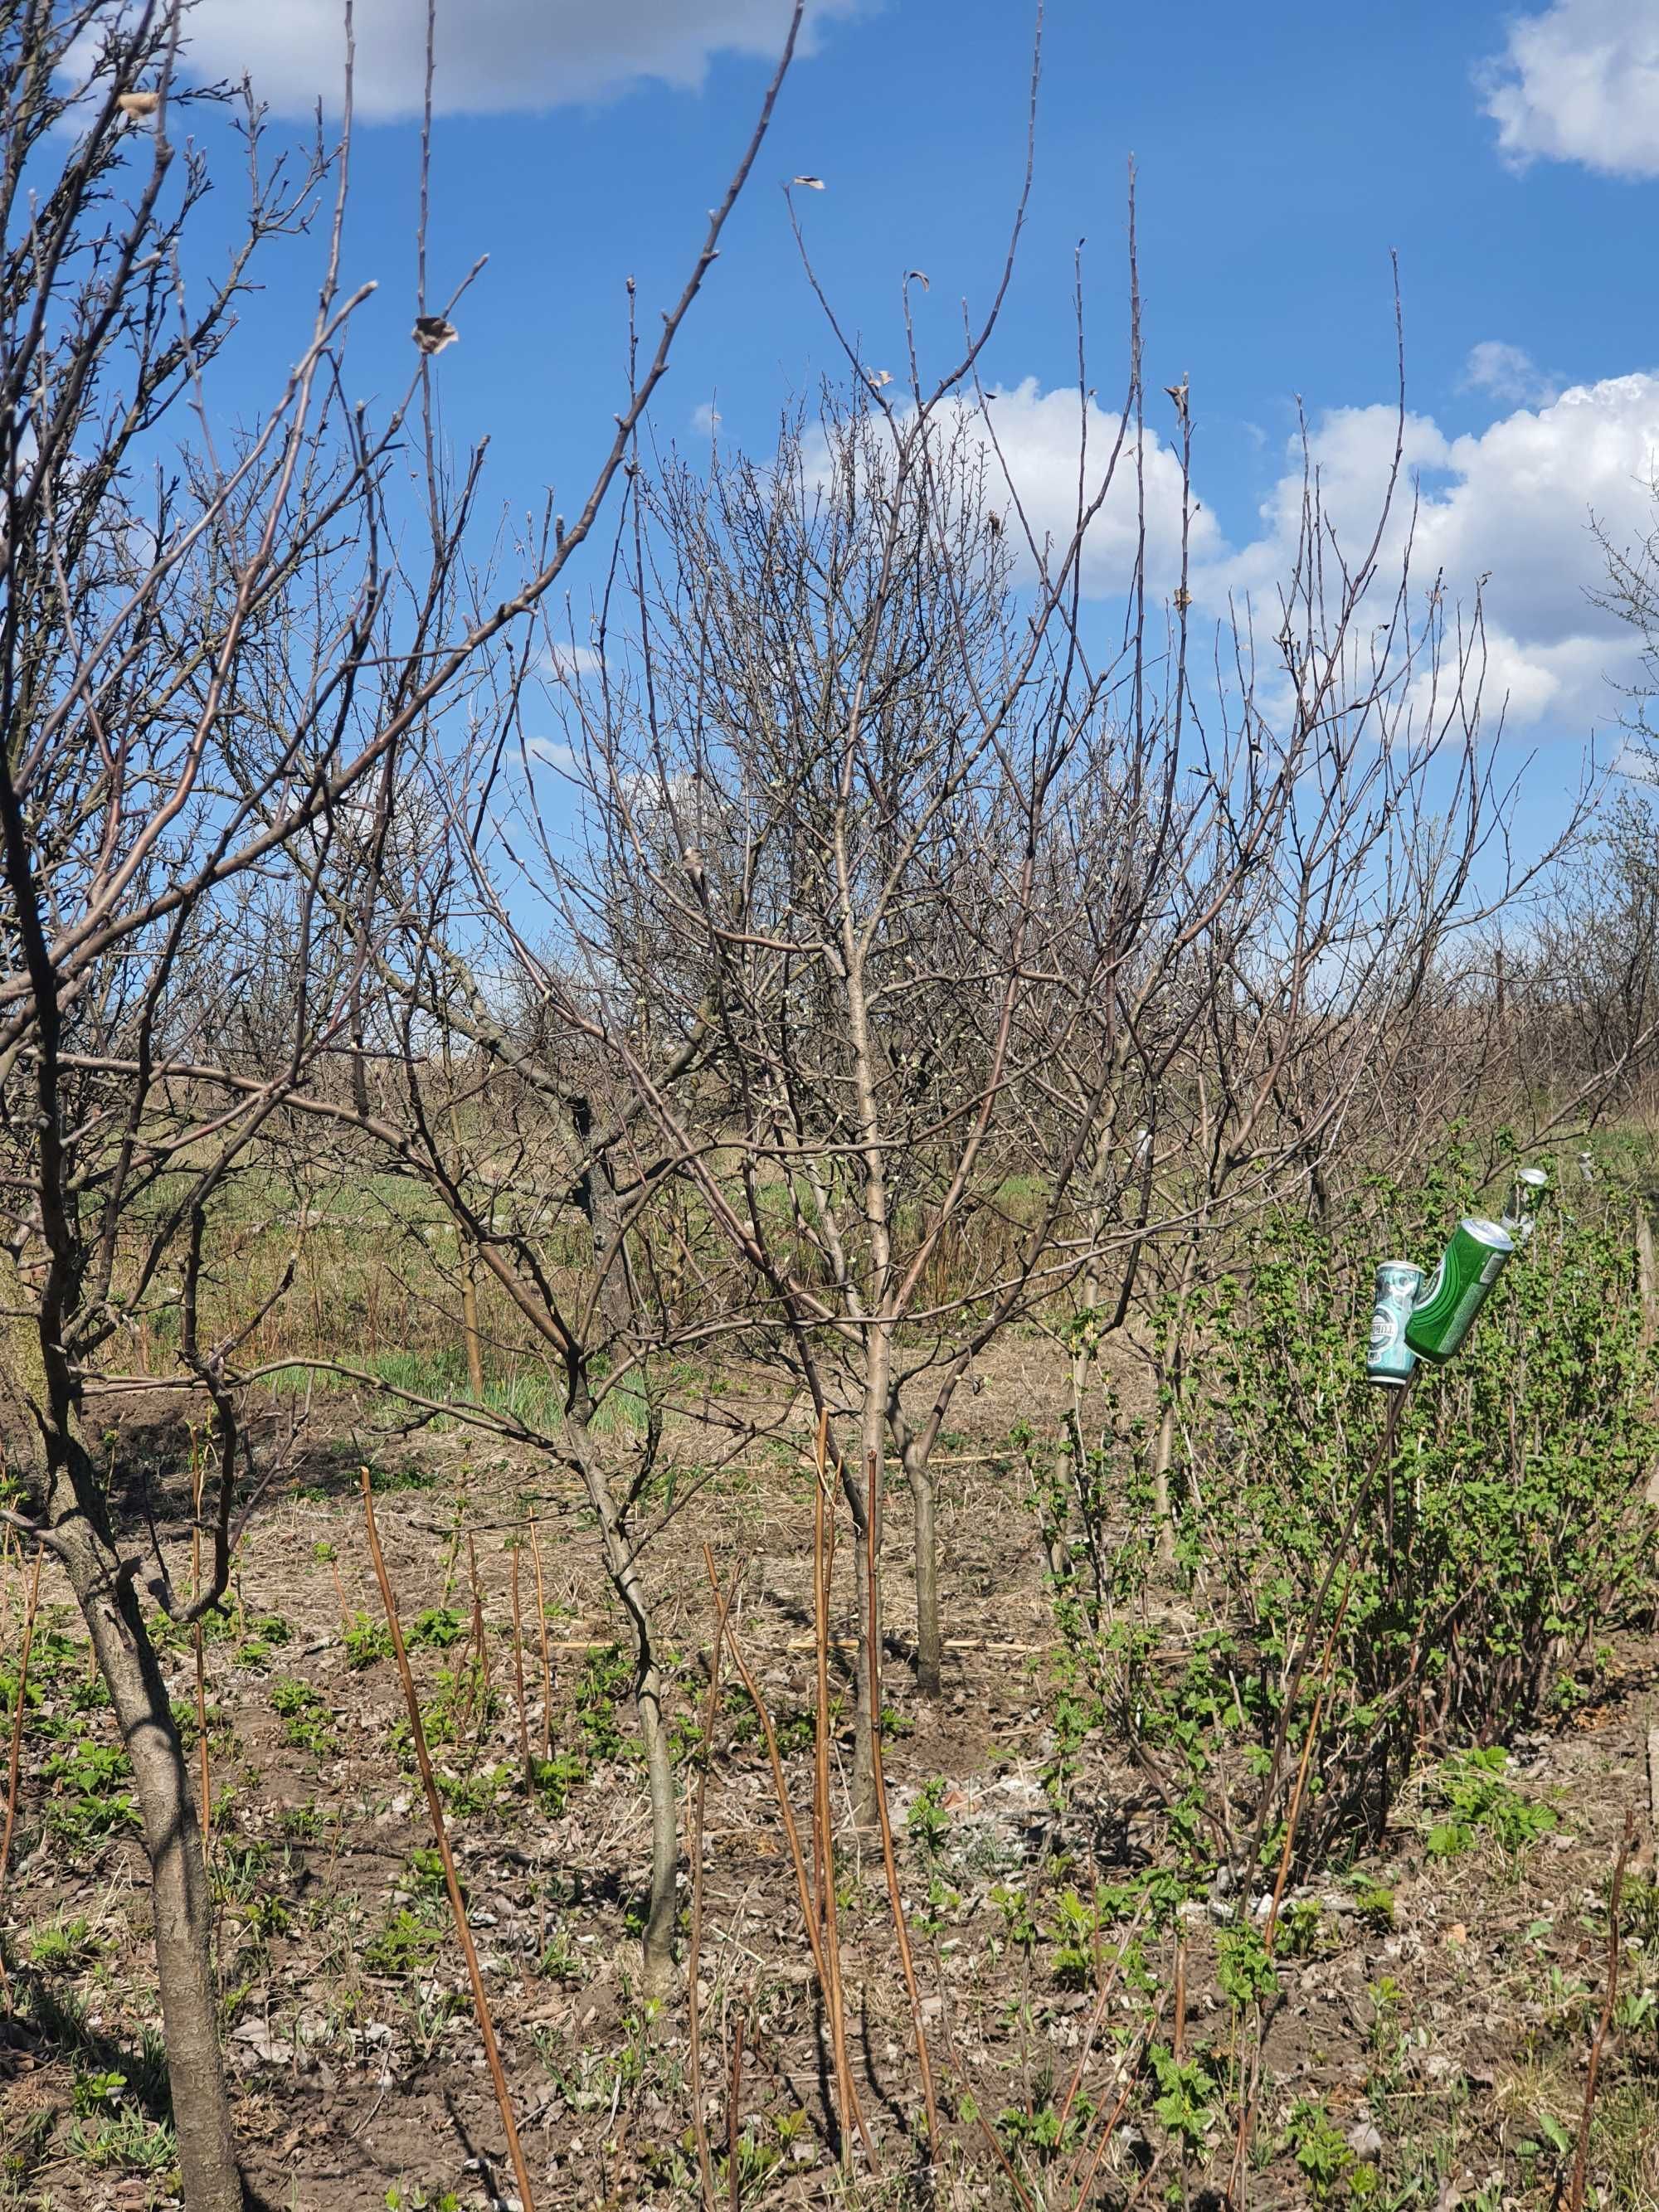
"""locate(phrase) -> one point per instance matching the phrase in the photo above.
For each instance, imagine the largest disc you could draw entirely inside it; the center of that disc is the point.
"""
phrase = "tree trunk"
(866, 1548)
(623, 1571)
(930, 1642)
(658, 1943)
(180, 1904)
(1162, 1453)
(864, 1758)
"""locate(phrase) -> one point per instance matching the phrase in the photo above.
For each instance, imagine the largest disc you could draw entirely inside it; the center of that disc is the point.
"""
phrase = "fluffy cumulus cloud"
(492, 55)
(1580, 83)
(1508, 372)
(1515, 513)
(1031, 442)
(1509, 511)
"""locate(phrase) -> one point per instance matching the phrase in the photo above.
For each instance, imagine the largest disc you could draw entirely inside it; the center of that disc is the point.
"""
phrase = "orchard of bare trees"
(692, 1512)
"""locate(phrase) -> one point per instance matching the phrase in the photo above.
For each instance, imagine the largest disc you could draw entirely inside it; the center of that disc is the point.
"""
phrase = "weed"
(88, 1801)
(1244, 1967)
(63, 1947)
(1185, 2103)
(1478, 1802)
(436, 1629)
(404, 1947)
(366, 1641)
(560, 1961)
(307, 1724)
(1302, 1933)
(926, 1823)
(1319, 2151)
(1374, 1905)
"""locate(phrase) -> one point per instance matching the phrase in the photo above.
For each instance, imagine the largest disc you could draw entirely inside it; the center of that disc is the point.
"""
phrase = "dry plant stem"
(731, 2183)
(1293, 1683)
(518, 1673)
(14, 1758)
(1609, 1998)
(480, 1640)
(339, 1591)
(1109, 2129)
(987, 2131)
(823, 1561)
(1298, 1794)
(541, 1623)
(440, 1836)
(814, 1936)
(823, 1855)
(890, 1860)
(1103, 1998)
(694, 1961)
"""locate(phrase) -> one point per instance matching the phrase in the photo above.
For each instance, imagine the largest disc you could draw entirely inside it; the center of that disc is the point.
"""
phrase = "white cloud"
(706, 418)
(553, 752)
(1580, 83)
(1037, 434)
(1507, 372)
(493, 56)
(565, 663)
(1508, 510)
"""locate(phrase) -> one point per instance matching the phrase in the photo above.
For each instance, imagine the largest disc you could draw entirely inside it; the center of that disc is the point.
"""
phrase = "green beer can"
(1388, 1359)
(1458, 1288)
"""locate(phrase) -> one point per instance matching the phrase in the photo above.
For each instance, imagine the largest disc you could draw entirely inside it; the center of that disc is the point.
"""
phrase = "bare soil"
(1435, 2013)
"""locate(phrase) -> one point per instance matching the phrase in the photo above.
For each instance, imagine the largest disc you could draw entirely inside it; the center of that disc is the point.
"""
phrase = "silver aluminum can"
(1388, 1359)
(1531, 1188)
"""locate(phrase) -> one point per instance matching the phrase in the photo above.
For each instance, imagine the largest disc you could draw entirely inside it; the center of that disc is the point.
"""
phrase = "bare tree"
(212, 658)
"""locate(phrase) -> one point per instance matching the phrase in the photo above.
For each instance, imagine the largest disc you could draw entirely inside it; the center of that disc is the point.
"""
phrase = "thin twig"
(541, 1622)
(694, 1961)
(1610, 1997)
(440, 1836)
(14, 1760)
(900, 1930)
(732, 2181)
(518, 1672)
(803, 1886)
(824, 1562)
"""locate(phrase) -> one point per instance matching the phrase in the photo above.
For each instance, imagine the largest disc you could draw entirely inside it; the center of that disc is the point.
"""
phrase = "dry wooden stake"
(440, 1837)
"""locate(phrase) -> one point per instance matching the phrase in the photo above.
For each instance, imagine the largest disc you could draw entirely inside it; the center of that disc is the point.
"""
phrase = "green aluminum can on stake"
(1389, 1360)
(1459, 1287)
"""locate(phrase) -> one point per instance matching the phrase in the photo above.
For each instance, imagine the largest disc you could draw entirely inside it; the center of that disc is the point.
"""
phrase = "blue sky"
(1512, 158)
